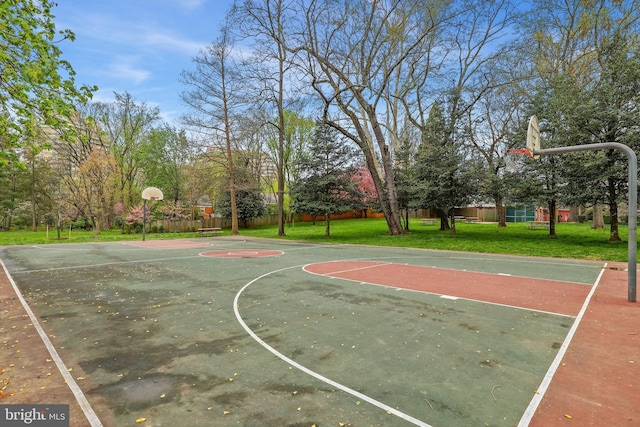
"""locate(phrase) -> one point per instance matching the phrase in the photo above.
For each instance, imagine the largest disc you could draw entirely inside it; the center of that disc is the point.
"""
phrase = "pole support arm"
(633, 199)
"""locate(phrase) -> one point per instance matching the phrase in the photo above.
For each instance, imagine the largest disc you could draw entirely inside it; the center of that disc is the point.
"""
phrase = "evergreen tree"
(326, 186)
(445, 176)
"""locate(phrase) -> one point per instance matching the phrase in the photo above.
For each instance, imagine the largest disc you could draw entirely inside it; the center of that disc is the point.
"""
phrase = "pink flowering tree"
(135, 217)
(361, 177)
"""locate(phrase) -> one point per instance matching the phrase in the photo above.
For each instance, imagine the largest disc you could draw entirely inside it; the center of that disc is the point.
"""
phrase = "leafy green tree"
(326, 186)
(566, 64)
(163, 158)
(608, 112)
(127, 124)
(13, 187)
(37, 87)
(249, 203)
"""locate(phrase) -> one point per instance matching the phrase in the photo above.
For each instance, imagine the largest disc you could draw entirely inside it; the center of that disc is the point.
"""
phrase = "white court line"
(77, 392)
(380, 264)
(452, 297)
(385, 407)
(484, 273)
(537, 397)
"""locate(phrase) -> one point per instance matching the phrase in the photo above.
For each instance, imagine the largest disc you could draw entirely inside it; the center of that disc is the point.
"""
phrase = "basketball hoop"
(533, 147)
(152, 193)
(149, 193)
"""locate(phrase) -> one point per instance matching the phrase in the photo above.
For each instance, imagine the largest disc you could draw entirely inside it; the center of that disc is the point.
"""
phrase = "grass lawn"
(573, 240)
(40, 237)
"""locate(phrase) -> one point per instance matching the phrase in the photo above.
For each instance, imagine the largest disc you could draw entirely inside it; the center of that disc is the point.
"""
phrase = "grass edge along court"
(574, 240)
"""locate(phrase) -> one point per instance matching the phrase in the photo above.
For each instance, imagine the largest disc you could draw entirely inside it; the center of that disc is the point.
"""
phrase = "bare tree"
(215, 92)
(489, 124)
(271, 64)
(354, 52)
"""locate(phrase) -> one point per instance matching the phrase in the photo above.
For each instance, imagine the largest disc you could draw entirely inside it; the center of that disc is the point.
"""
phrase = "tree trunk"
(453, 221)
(552, 218)
(613, 212)
(387, 193)
(598, 219)
(573, 213)
(444, 220)
(614, 235)
(500, 211)
(280, 172)
(327, 231)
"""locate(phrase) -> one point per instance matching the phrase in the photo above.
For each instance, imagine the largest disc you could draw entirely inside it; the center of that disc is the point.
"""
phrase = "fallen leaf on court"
(568, 416)
(140, 420)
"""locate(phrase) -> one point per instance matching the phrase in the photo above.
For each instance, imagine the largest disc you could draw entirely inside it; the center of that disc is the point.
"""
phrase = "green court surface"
(245, 336)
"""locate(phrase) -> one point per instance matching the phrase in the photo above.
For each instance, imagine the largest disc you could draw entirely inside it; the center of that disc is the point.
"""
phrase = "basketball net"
(514, 159)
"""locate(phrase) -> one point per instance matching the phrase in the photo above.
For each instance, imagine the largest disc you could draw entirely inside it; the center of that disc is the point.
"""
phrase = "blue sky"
(138, 46)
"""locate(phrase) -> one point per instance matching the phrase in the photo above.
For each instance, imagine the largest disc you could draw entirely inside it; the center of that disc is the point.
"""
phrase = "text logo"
(34, 415)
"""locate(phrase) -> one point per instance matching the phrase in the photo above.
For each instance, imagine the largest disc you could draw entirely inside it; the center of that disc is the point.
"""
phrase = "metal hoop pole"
(633, 200)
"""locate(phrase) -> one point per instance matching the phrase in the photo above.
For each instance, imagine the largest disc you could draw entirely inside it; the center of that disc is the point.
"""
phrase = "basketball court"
(254, 332)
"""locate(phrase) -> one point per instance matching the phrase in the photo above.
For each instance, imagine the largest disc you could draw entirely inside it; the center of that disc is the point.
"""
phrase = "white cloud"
(121, 32)
(168, 41)
(124, 70)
